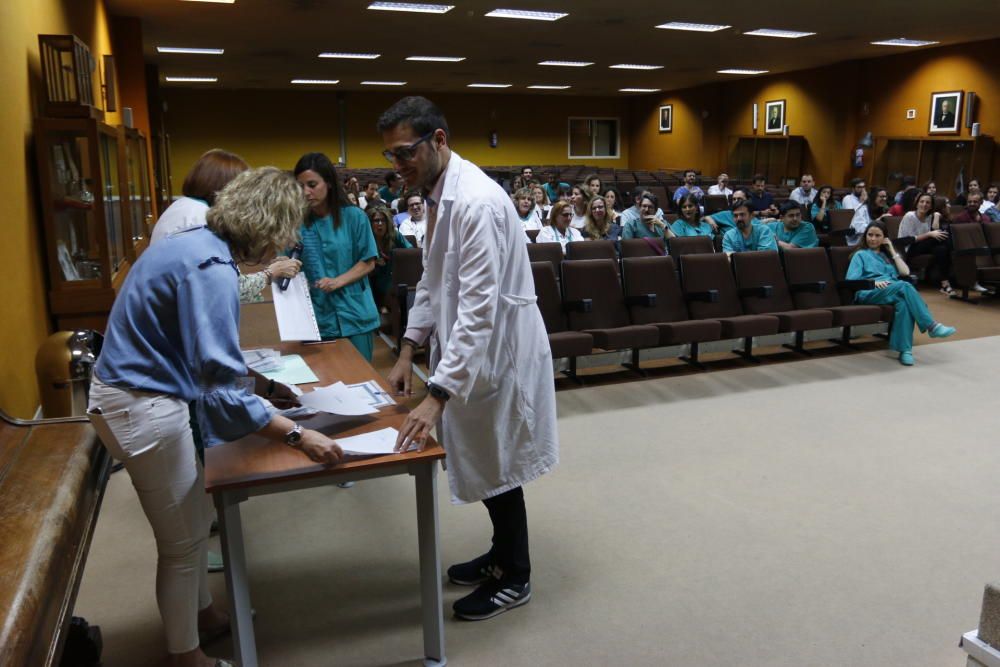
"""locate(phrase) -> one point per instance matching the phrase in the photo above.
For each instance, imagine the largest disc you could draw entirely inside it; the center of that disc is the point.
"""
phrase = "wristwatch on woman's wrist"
(294, 437)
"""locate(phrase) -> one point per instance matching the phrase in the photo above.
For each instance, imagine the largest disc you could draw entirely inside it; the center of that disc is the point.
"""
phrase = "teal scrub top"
(724, 219)
(381, 277)
(870, 265)
(329, 252)
(803, 237)
(761, 238)
(635, 229)
(682, 228)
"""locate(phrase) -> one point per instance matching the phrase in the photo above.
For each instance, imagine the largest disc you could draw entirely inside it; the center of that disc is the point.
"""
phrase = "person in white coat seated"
(491, 391)
(559, 230)
(416, 224)
(527, 210)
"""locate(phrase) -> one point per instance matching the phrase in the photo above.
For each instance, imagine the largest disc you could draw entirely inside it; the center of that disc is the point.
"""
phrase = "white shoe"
(979, 288)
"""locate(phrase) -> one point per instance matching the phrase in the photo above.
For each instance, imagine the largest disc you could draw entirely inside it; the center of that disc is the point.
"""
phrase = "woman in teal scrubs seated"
(338, 253)
(690, 222)
(876, 259)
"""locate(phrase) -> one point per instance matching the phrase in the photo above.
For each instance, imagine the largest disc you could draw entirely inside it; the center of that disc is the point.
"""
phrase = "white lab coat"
(489, 349)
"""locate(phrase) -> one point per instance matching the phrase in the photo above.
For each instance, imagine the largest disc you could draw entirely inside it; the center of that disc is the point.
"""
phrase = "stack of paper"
(294, 312)
(262, 360)
(376, 442)
(339, 399)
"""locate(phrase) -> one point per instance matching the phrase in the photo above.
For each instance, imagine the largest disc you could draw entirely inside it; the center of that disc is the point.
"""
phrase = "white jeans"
(151, 435)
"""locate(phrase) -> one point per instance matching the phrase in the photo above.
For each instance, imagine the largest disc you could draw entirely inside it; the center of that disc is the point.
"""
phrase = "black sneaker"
(474, 572)
(492, 598)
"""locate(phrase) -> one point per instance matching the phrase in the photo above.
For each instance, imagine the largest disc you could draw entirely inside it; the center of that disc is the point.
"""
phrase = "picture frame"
(946, 112)
(666, 118)
(774, 117)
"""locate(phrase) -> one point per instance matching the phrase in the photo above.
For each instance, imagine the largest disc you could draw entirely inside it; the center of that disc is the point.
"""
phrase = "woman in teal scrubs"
(338, 253)
(690, 222)
(877, 260)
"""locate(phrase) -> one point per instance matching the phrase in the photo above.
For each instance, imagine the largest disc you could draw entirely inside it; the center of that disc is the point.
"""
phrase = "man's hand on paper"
(320, 448)
(417, 427)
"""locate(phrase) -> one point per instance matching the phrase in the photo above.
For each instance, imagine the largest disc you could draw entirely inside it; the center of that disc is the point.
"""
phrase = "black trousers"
(941, 251)
(510, 535)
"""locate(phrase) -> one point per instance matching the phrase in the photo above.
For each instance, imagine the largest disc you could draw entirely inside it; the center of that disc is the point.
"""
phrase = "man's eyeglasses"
(406, 153)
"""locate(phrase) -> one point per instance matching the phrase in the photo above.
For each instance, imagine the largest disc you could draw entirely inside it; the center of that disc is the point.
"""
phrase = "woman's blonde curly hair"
(258, 214)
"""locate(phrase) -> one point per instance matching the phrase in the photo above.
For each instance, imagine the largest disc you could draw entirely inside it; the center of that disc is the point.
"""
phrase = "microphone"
(296, 253)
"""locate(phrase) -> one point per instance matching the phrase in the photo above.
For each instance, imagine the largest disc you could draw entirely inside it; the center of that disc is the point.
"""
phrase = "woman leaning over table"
(338, 253)
(876, 259)
(173, 337)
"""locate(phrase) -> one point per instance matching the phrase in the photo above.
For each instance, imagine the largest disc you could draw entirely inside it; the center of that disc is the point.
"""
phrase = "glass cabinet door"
(140, 203)
(112, 201)
(71, 189)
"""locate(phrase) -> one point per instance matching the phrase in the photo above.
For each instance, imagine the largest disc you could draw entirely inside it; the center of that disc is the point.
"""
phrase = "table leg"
(425, 476)
(231, 537)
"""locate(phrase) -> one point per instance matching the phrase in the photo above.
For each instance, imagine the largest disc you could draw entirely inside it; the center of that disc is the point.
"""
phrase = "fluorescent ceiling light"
(420, 8)
(627, 66)
(638, 90)
(192, 79)
(489, 85)
(787, 34)
(351, 56)
(383, 83)
(902, 41)
(180, 49)
(548, 87)
(524, 14)
(437, 59)
(316, 82)
(565, 63)
(742, 71)
(694, 27)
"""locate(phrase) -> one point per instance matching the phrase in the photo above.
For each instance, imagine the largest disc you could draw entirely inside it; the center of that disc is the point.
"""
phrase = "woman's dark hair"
(335, 195)
(688, 199)
(873, 210)
(618, 197)
(212, 172)
(909, 199)
(863, 243)
(388, 240)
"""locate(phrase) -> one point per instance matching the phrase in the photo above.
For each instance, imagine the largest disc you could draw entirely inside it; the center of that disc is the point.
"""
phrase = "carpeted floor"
(840, 510)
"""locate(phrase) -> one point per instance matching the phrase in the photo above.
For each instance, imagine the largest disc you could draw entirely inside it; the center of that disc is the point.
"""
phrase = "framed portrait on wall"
(946, 112)
(774, 114)
(667, 118)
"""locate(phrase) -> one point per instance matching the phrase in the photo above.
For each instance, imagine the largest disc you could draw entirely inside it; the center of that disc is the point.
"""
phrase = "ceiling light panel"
(693, 27)
(489, 85)
(787, 34)
(524, 14)
(902, 41)
(383, 83)
(638, 90)
(437, 59)
(742, 71)
(316, 82)
(628, 66)
(191, 79)
(419, 8)
(565, 63)
(193, 51)
(350, 56)
(539, 87)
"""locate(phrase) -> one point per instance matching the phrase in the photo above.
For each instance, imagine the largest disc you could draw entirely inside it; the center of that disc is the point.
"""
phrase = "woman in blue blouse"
(876, 259)
(338, 253)
(172, 338)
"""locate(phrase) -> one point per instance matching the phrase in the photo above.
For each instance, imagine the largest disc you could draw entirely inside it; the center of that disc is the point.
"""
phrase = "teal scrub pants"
(364, 342)
(910, 309)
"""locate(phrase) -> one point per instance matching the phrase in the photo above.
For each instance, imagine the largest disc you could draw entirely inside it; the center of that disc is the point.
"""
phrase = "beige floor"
(840, 510)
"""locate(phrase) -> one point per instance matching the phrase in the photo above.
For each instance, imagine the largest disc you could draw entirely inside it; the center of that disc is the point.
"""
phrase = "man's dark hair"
(391, 178)
(370, 182)
(740, 203)
(407, 196)
(690, 171)
(790, 205)
(646, 194)
(759, 177)
(527, 167)
(855, 182)
(418, 112)
(743, 189)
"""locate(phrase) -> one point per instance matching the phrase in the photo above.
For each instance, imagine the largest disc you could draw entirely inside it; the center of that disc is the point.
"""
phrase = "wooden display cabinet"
(779, 158)
(88, 232)
(140, 199)
(940, 159)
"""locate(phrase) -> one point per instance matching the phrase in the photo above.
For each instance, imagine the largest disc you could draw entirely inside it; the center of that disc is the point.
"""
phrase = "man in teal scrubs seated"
(790, 231)
(724, 219)
(748, 234)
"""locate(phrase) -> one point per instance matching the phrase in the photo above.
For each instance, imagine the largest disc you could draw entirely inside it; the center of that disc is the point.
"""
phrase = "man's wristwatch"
(294, 437)
(437, 392)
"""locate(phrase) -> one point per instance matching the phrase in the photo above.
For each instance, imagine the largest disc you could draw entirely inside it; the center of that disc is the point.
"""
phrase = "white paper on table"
(373, 394)
(338, 399)
(294, 312)
(262, 359)
(376, 442)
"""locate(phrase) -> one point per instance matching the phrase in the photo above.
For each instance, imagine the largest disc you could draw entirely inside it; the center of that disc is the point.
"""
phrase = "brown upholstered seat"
(715, 203)
(686, 245)
(762, 271)
(840, 225)
(973, 258)
(812, 285)
(596, 281)
(564, 343)
(591, 250)
(642, 247)
(407, 268)
(546, 252)
(840, 262)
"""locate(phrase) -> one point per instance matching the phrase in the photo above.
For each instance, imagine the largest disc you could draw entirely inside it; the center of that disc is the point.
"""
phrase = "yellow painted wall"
(24, 303)
(277, 127)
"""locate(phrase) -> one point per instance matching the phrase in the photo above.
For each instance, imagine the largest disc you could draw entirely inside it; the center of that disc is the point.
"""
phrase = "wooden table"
(254, 466)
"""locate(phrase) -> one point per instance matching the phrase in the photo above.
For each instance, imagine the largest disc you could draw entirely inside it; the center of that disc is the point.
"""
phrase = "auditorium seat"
(546, 252)
(407, 268)
(532, 234)
(840, 225)
(710, 290)
(764, 291)
(591, 250)
(840, 262)
(642, 248)
(686, 245)
(565, 344)
(972, 258)
(715, 203)
(653, 294)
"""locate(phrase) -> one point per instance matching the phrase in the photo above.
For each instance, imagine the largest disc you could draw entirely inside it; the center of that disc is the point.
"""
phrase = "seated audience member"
(924, 226)
(791, 231)
(527, 174)
(991, 199)
(930, 187)
(593, 184)
(878, 203)
(599, 225)
(721, 186)
(723, 220)
(748, 234)
(351, 185)
(552, 185)
(416, 224)
(353, 199)
(614, 202)
(971, 213)
(857, 201)
(804, 194)
(563, 193)
(633, 213)
(821, 207)
(387, 238)
(909, 183)
(761, 202)
(650, 223)
(971, 188)
(689, 221)
(393, 188)
(370, 195)
(558, 229)
(516, 184)
(542, 204)
(524, 202)
(579, 196)
(876, 259)
(689, 187)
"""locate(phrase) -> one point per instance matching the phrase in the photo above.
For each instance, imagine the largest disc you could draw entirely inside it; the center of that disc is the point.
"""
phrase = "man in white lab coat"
(491, 390)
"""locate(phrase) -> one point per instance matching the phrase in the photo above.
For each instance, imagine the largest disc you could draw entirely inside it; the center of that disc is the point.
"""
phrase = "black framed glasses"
(406, 153)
